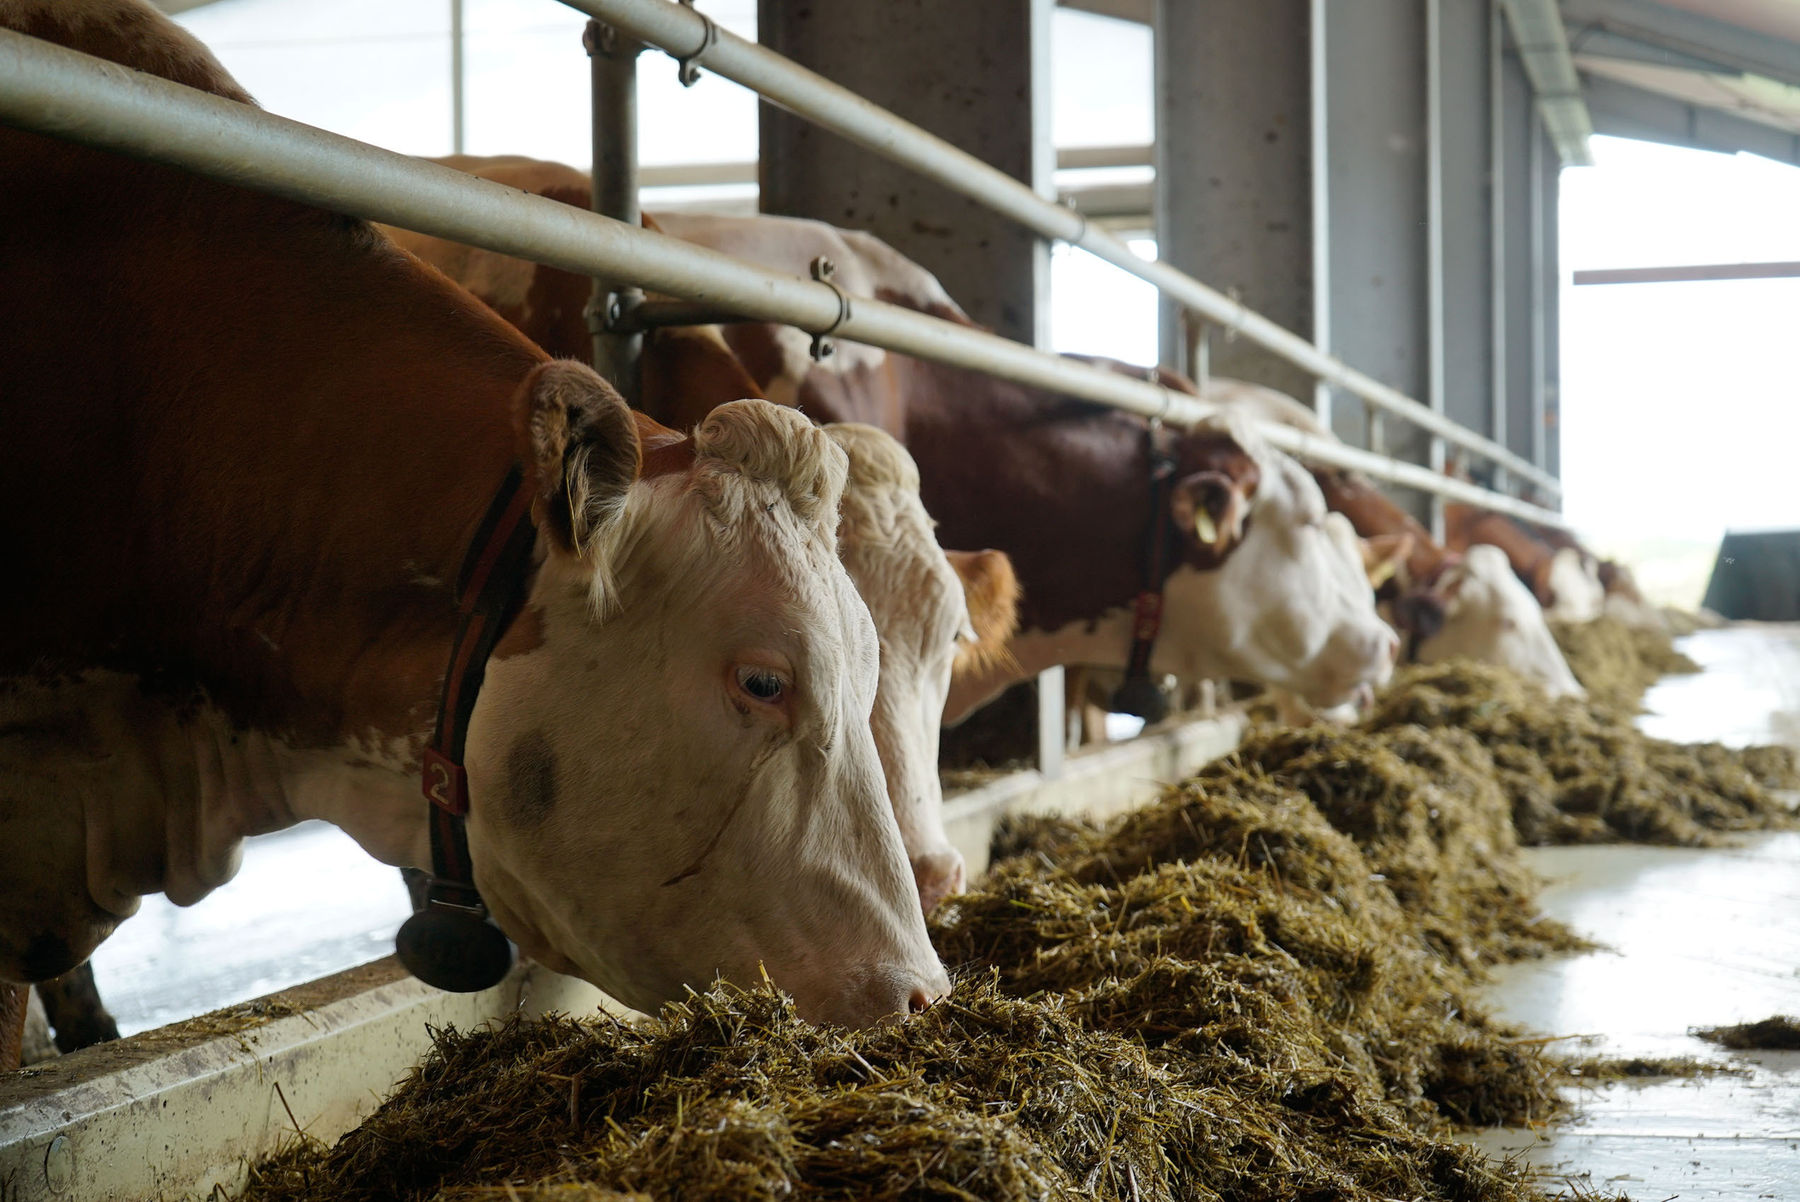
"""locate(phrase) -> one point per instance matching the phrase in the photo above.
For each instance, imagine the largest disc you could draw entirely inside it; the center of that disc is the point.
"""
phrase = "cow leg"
(12, 1024)
(77, 1015)
(1084, 699)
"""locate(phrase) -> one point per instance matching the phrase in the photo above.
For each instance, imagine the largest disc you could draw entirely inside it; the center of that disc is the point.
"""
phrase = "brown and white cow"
(1448, 605)
(1252, 591)
(920, 599)
(244, 446)
(1621, 598)
(1562, 575)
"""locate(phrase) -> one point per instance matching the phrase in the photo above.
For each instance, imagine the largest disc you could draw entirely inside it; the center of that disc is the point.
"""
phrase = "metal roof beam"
(1624, 111)
(1718, 43)
(1141, 11)
(1537, 31)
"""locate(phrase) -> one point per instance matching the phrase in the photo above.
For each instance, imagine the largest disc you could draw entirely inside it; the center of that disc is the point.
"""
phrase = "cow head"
(1265, 593)
(1569, 587)
(677, 778)
(931, 611)
(1486, 613)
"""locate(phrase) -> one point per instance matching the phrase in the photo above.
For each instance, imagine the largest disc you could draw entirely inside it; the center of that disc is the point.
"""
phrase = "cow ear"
(1210, 509)
(1384, 555)
(1540, 583)
(579, 445)
(1449, 586)
(991, 591)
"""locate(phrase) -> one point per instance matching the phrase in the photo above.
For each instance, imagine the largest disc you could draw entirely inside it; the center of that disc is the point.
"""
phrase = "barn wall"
(1377, 180)
(1234, 170)
(974, 74)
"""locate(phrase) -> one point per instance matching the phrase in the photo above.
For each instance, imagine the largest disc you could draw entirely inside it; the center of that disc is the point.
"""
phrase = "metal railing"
(49, 89)
(697, 41)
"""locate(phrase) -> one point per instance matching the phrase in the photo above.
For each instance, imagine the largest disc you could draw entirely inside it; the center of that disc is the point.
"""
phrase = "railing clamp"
(617, 314)
(604, 40)
(822, 270)
(687, 69)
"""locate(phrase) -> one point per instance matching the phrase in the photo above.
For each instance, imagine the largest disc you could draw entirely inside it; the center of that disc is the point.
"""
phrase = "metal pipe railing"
(613, 192)
(692, 37)
(49, 89)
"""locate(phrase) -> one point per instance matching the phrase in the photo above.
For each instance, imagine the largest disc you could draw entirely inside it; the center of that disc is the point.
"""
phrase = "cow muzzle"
(870, 994)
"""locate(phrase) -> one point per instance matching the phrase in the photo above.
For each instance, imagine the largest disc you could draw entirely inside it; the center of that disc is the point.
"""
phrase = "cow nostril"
(920, 1001)
(938, 874)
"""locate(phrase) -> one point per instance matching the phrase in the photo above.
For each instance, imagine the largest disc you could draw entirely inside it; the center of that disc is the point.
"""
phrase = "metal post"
(456, 76)
(1196, 348)
(1497, 231)
(1319, 151)
(613, 59)
(1436, 351)
(1536, 260)
(1052, 721)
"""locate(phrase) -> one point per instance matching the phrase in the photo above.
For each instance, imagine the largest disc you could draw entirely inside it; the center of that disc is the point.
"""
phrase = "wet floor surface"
(1693, 939)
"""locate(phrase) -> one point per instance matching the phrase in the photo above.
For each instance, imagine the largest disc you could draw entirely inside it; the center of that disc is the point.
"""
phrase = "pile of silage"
(1427, 810)
(1220, 996)
(732, 1096)
(1778, 1033)
(1616, 662)
(1259, 987)
(1578, 772)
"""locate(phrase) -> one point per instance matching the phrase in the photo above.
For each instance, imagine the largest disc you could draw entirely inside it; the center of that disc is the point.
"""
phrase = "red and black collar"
(450, 941)
(1138, 694)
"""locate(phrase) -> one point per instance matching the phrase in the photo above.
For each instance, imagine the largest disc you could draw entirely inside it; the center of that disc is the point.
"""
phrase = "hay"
(731, 1096)
(1780, 1033)
(1218, 997)
(1617, 663)
(1578, 772)
(1604, 1070)
(1260, 987)
(1232, 920)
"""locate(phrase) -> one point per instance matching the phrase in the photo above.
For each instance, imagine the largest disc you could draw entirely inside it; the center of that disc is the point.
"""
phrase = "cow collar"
(1409, 622)
(450, 941)
(1138, 694)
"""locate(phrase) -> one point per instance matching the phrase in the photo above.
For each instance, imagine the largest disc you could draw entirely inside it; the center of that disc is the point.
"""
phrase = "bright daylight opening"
(1680, 402)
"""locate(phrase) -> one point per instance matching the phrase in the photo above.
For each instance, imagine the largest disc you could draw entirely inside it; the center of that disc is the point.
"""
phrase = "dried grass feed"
(1260, 987)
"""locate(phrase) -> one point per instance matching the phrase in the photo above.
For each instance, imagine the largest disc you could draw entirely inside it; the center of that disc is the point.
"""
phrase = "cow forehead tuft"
(760, 441)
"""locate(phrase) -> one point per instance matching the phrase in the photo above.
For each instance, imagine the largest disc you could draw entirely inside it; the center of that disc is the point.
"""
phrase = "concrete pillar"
(1376, 223)
(975, 74)
(1234, 150)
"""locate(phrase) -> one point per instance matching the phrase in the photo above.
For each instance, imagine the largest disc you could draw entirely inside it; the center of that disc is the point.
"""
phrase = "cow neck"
(360, 612)
(1058, 485)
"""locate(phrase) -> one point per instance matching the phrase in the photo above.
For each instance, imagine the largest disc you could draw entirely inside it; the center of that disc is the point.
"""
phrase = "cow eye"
(761, 684)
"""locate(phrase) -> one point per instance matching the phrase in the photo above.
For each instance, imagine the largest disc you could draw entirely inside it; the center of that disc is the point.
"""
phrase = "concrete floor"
(1694, 938)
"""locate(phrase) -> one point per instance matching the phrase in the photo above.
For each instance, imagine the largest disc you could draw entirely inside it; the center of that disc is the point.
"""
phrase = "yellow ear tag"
(1204, 528)
(1384, 572)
